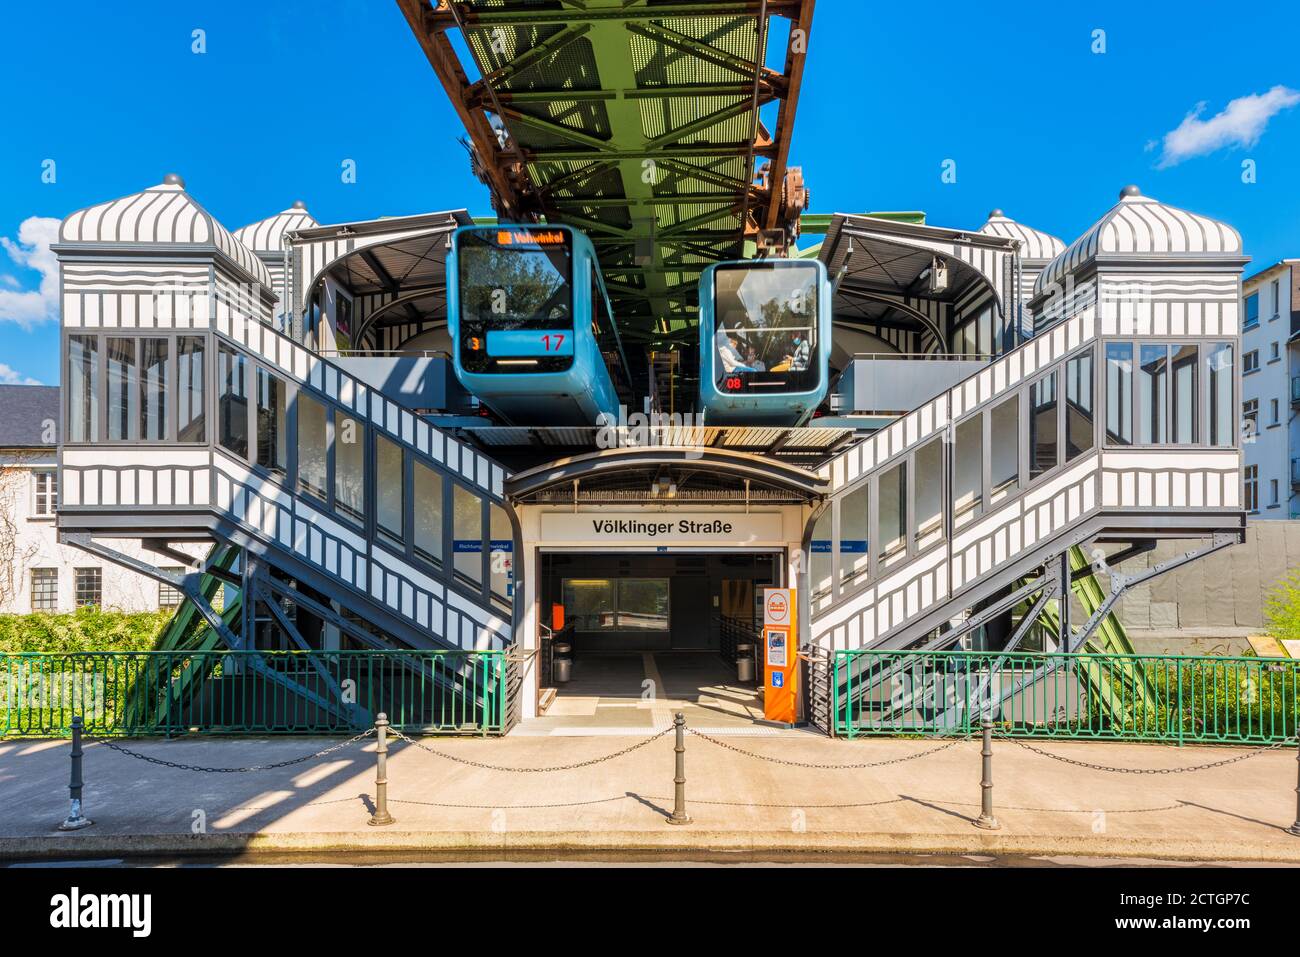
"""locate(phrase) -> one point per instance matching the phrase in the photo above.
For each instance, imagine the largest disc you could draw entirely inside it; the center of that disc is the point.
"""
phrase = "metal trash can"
(561, 670)
(563, 649)
(744, 662)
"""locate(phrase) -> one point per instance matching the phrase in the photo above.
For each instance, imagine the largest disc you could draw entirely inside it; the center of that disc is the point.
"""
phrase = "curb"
(775, 843)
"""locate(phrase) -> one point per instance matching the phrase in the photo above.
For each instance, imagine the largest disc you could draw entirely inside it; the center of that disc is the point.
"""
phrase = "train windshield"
(765, 328)
(516, 299)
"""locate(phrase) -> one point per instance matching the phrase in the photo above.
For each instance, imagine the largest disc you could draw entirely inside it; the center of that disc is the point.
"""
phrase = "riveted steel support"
(381, 815)
(76, 819)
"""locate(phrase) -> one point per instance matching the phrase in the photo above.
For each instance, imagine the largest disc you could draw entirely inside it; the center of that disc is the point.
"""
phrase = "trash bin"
(561, 670)
(744, 662)
(563, 649)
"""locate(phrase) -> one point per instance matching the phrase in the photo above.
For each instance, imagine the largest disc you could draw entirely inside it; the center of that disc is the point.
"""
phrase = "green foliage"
(1282, 608)
(86, 629)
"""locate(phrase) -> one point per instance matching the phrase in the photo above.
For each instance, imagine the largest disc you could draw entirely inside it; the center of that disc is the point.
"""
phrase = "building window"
(1250, 362)
(45, 589)
(153, 389)
(1004, 450)
(46, 500)
(1078, 407)
(168, 595)
(272, 433)
(390, 502)
(1043, 454)
(1252, 310)
(1272, 493)
(1273, 354)
(232, 401)
(90, 587)
(83, 389)
(1251, 475)
(928, 494)
(313, 462)
(1277, 299)
(892, 512)
(426, 489)
(1154, 389)
(1218, 364)
(855, 558)
(1274, 414)
(467, 531)
(349, 465)
(191, 409)
(1249, 418)
(968, 471)
(1185, 412)
(1119, 393)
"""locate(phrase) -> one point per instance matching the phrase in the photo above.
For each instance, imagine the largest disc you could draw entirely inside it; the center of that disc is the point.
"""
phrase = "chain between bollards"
(986, 820)
(381, 815)
(1295, 828)
(679, 815)
(76, 819)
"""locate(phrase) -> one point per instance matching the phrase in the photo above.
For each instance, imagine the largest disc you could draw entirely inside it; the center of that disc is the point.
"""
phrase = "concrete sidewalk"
(738, 802)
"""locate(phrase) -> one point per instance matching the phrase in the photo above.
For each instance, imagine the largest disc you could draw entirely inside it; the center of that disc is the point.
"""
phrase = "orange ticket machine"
(780, 671)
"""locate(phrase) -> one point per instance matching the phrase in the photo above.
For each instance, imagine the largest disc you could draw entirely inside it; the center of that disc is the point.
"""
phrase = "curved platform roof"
(162, 215)
(1034, 243)
(267, 235)
(1141, 227)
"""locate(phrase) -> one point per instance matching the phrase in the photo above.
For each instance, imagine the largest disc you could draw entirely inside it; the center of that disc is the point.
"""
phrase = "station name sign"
(689, 529)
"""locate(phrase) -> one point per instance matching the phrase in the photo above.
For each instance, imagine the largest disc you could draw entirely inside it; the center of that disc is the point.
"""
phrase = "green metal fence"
(252, 692)
(1104, 696)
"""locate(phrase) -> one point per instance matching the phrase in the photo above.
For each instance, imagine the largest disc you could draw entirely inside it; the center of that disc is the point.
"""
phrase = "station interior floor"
(608, 694)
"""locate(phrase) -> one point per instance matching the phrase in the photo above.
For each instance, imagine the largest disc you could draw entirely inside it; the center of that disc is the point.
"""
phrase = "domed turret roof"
(1139, 226)
(1034, 243)
(267, 235)
(160, 215)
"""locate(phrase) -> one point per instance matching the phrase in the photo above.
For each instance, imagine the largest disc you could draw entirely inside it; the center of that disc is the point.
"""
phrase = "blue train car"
(765, 336)
(530, 324)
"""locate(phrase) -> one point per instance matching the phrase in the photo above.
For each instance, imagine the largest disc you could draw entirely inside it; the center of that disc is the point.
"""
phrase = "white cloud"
(9, 376)
(27, 307)
(1241, 123)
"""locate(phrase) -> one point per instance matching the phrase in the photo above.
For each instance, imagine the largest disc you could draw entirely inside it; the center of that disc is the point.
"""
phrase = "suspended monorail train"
(765, 335)
(531, 328)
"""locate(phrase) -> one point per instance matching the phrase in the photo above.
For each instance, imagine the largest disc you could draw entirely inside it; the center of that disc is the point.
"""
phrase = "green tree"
(1282, 608)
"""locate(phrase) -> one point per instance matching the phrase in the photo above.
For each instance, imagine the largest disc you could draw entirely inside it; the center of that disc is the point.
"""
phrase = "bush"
(86, 629)
(1282, 608)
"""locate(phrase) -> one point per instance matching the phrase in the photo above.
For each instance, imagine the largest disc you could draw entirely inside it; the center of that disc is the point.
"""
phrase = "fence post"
(679, 815)
(381, 815)
(76, 820)
(1295, 828)
(986, 819)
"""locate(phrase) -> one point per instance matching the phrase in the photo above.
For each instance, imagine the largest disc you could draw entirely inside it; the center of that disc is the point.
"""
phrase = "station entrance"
(630, 637)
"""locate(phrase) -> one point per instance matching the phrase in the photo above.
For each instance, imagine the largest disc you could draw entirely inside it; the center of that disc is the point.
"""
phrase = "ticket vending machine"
(780, 664)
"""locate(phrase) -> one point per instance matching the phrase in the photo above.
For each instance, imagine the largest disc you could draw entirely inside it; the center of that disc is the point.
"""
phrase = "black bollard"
(76, 820)
(986, 819)
(679, 815)
(381, 815)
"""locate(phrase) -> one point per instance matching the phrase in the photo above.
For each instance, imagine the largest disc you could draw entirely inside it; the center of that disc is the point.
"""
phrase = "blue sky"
(1035, 121)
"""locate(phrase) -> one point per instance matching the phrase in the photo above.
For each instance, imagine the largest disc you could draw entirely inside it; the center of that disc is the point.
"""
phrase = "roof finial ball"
(299, 204)
(1129, 190)
(174, 179)
(996, 214)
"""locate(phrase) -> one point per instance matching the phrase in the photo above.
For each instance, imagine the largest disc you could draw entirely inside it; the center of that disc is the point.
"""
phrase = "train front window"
(516, 300)
(765, 329)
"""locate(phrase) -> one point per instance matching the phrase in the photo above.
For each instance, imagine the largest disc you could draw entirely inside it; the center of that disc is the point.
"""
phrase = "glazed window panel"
(191, 402)
(313, 460)
(467, 531)
(501, 537)
(1153, 390)
(153, 389)
(968, 471)
(855, 558)
(89, 587)
(1185, 412)
(1219, 375)
(1044, 452)
(1079, 417)
(232, 401)
(893, 512)
(642, 604)
(1119, 393)
(349, 466)
(45, 589)
(123, 390)
(83, 389)
(427, 489)
(272, 429)
(929, 494)
(819, 562)
(1004, 450)
(390, 502)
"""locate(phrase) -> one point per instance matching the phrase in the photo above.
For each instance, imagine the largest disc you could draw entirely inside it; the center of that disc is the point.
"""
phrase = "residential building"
(1270, 390)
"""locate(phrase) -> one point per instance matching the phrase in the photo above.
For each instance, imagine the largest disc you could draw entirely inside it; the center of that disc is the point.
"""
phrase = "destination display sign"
(682, 528)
